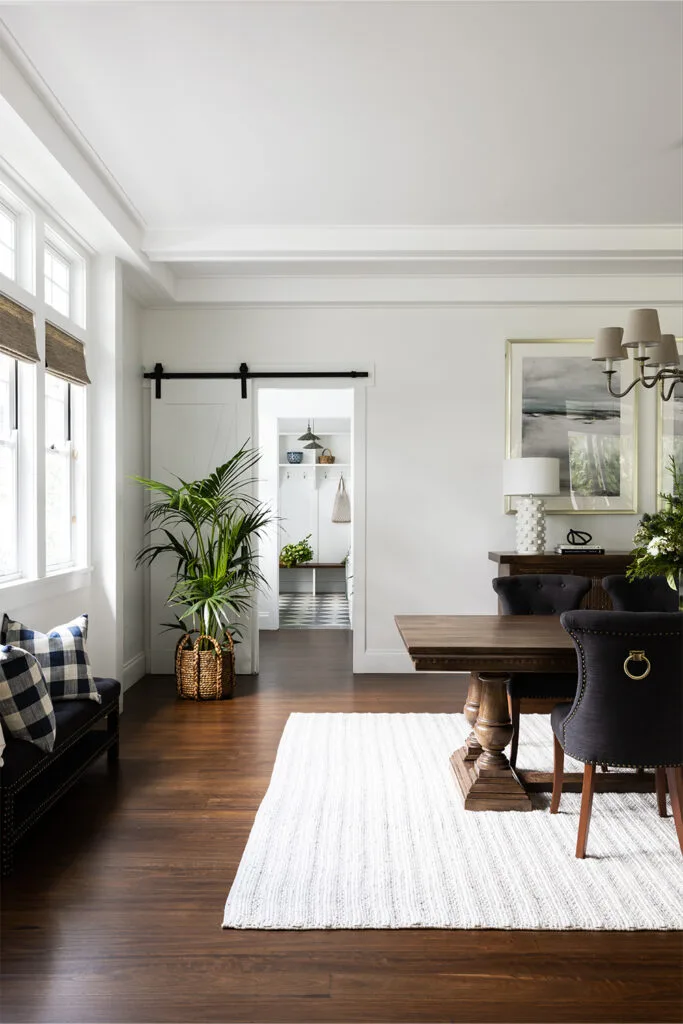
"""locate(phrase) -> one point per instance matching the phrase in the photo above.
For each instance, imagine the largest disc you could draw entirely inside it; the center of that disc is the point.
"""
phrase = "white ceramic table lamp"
(530, 480)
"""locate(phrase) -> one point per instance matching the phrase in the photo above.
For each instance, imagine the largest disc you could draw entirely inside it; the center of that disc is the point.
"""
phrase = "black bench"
(31, 781)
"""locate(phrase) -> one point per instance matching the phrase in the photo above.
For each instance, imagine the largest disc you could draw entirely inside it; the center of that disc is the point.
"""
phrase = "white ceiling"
(395, 113)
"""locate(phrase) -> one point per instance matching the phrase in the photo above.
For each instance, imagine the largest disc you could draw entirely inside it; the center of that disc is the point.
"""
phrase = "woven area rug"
(363, 827)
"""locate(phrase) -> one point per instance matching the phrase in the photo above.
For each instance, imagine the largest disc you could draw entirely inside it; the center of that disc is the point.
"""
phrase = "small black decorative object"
(579, 543)
(579, 537)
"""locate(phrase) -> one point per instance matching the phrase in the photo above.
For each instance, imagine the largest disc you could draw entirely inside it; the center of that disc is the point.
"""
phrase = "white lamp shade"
(666, 353)
(642, 328)
(531, 476)
(607, 344)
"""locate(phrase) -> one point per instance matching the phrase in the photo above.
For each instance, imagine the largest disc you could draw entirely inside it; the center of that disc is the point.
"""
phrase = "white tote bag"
(341, 510)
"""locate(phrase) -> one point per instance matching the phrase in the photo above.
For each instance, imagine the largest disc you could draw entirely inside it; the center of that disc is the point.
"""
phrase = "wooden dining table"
(491, 648)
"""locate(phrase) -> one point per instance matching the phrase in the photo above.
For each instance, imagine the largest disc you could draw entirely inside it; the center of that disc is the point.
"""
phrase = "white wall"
(135, 463)
(435, 434)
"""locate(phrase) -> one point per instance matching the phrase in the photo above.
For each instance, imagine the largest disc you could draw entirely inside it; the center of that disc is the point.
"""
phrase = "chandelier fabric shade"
(642, 328)
(608, 344)
(666, 353)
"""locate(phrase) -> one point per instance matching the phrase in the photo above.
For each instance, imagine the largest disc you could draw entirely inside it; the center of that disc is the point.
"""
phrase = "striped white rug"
(363, 827)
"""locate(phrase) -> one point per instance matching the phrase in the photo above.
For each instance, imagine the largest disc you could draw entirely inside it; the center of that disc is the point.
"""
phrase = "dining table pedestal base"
(488, 783)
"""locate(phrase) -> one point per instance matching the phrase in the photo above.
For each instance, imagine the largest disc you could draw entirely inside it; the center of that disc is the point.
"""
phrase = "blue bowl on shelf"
(295, 457)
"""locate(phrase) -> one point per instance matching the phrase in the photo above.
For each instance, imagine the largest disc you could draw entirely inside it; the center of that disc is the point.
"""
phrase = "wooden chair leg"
(558, 775)
(675, 778)
(586, 808)
(514, 705)
(660, 789)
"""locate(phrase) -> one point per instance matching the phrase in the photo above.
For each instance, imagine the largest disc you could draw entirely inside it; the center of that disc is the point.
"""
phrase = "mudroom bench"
(31, 781)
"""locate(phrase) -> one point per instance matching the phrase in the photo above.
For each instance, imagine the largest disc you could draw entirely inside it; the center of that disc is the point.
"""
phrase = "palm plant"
(210, 528)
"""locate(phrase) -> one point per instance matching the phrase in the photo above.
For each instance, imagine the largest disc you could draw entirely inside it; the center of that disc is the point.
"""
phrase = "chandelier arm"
(619, 394)
(649, 382)
(676, 379)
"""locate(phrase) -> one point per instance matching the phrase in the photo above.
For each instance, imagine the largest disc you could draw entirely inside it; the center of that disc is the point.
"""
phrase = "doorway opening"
(306, 475)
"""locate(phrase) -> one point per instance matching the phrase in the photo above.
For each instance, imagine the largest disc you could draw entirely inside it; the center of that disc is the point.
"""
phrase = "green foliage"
(209, 527)
(294, 554)
(659, 537)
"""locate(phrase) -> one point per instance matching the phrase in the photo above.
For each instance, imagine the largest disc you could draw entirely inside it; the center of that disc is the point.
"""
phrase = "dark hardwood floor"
(114, 911)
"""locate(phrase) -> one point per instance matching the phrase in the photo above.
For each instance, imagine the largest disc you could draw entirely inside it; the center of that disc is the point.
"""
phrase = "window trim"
(68, 452)
(11, 215)
(14, 444)
(76, 260)
(25, 239)
(57, 257)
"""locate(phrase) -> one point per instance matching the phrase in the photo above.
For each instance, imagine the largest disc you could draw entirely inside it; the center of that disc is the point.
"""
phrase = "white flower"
(657, 546)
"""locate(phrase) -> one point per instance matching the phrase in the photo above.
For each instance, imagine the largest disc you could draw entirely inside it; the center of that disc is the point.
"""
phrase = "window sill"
(21, 592)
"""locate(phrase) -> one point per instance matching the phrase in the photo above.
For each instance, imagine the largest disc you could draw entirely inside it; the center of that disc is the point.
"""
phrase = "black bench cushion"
(19, 757)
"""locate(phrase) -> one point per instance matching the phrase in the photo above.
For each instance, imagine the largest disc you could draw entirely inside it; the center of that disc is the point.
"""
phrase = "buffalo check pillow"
(25, 706)
(61, 654)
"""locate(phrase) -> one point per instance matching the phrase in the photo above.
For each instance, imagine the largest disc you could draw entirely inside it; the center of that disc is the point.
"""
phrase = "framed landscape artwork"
(669, 437)
(558, 406)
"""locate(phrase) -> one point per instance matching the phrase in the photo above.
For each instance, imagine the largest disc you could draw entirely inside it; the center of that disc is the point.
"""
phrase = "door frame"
(359, 388)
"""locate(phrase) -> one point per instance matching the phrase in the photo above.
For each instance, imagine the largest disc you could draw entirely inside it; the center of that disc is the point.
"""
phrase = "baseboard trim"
(133, 670)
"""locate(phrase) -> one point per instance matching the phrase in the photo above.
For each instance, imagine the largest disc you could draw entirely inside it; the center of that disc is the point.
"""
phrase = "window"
(8, 467)
(43, 475)
(8, 242)
(58, 474)
(57, 281)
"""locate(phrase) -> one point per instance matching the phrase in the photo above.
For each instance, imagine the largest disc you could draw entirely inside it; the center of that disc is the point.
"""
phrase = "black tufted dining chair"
(538, 594)
(628, 709)
(644, 595)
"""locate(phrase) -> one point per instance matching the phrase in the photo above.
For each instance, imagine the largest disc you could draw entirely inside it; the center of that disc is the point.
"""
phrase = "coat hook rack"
(244, 374)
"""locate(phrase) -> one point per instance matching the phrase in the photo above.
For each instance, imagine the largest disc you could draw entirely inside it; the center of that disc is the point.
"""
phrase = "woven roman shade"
(64, 355)
(17, 331)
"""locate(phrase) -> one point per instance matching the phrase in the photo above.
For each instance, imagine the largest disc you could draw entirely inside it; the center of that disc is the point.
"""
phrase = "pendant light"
(309, 436)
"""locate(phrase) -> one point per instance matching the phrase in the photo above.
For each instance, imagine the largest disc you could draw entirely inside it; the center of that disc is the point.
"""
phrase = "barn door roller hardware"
(243, 374)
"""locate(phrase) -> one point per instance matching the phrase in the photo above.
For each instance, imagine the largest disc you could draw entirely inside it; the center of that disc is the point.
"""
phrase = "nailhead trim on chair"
(602, 632)
(609, 632)
(613, 764)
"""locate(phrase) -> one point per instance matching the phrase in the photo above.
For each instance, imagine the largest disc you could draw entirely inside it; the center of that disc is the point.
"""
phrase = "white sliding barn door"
(195, 426)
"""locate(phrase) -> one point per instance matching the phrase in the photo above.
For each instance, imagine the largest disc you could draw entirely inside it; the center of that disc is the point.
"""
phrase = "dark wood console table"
(594, 566)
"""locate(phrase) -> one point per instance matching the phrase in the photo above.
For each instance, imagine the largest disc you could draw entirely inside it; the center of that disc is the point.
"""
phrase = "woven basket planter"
(327, 460)
(204, 675)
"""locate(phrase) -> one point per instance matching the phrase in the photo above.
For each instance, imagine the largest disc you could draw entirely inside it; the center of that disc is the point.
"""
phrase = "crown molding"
(664, 291)
(287, 243)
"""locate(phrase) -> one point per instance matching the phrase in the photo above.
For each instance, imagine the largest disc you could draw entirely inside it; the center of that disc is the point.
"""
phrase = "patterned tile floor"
(309, 611)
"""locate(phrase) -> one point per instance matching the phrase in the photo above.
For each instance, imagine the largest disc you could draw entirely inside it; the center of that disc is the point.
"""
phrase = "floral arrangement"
(659, 538)
(294, 554)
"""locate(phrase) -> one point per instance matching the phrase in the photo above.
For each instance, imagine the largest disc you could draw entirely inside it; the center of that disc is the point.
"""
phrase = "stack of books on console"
(579, 549)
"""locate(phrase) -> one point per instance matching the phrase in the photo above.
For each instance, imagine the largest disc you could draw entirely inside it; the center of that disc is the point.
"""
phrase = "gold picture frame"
(558, 405)
(669, 435)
